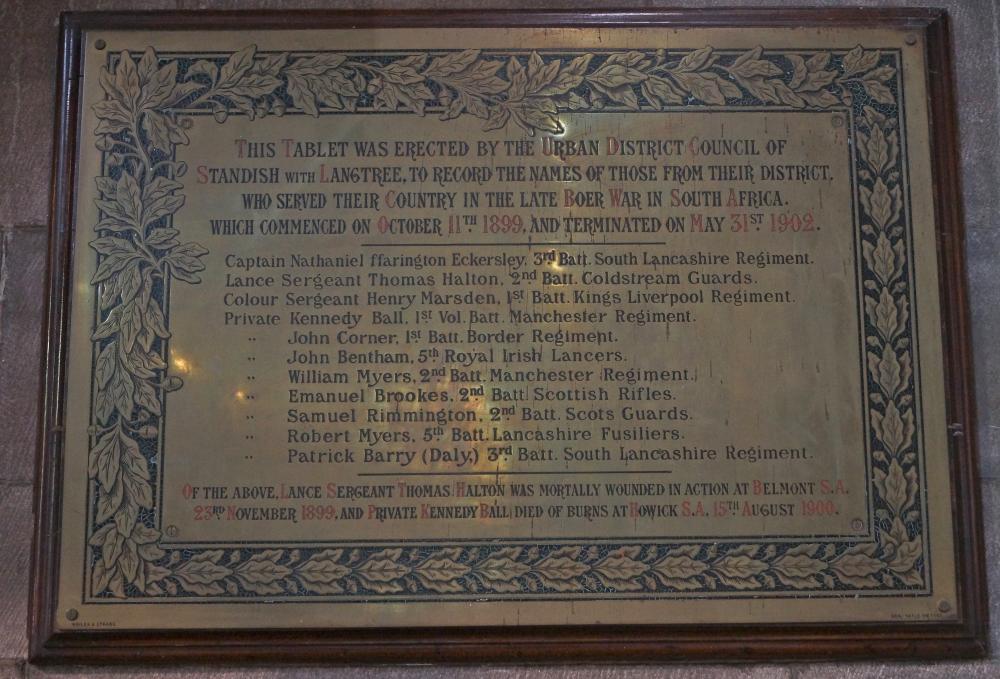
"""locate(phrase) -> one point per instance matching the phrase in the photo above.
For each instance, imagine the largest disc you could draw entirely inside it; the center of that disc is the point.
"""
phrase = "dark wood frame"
(964, 638)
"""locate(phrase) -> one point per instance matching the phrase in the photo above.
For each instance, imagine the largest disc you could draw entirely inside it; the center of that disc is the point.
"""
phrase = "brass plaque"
(508, 326)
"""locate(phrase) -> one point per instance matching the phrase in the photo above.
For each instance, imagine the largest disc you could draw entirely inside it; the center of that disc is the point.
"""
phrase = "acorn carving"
(172, 383)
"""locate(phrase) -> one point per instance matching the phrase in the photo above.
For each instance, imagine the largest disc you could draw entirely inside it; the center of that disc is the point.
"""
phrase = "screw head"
(857, 524)
(72, 614)
(944, 606)
(100, 44)
(171, 531)
(837, 120)
(910, 39)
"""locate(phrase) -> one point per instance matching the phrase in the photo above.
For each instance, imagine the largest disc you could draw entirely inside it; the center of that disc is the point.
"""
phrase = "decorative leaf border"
(148, 106)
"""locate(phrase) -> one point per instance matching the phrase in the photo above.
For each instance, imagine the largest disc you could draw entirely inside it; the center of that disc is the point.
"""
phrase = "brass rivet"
(72, 614)
(172, 531)
(100, 44)
(944, 606)
(910, 39)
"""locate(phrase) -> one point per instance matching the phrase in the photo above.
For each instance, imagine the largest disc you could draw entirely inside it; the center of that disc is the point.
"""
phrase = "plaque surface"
(419, 337)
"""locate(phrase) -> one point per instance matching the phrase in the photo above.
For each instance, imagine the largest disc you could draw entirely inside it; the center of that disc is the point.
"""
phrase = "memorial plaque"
(507, 337)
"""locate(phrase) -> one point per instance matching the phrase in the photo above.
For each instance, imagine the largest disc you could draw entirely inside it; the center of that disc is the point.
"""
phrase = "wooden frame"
(964, 638)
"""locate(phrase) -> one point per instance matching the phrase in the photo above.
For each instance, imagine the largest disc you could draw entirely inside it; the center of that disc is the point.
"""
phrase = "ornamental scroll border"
(143, 118)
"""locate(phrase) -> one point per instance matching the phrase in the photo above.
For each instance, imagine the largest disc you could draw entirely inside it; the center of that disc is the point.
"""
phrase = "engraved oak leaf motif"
(321, 573)
(622, 569)
(501, 570)
(561, 569)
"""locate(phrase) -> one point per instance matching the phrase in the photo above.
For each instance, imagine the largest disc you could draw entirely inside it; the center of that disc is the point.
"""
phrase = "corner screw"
(910, 39)
(171, 531)
(858, 524)
(100, 44)
(72, 614)
(944, 606)
(837, 120)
